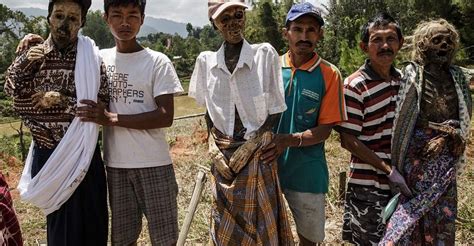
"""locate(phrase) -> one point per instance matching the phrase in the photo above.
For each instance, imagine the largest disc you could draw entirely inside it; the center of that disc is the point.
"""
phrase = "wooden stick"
(200, 181)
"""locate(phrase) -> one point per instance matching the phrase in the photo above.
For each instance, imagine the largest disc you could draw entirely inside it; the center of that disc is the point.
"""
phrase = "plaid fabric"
(10, 233)
(248, 210)
(150, 191)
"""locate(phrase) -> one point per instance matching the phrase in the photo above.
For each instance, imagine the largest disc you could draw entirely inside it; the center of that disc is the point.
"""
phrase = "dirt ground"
(187, 139)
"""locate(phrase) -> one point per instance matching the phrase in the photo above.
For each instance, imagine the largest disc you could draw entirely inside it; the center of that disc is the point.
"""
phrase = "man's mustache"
(304, 42)
(385, 52)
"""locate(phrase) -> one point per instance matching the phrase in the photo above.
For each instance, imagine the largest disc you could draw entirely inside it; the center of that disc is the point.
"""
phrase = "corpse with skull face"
(435, 45)
(231, 25)
(430, 130)
(242, 89)
(65, 20)
(42, 82)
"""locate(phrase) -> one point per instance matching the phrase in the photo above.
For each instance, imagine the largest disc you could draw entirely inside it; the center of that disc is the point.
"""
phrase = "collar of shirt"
(49, 46)
(246, 57)
(309, 66)
(370, 74)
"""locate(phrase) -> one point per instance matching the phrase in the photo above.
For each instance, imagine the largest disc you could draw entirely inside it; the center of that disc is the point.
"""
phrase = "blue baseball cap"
(300, 9)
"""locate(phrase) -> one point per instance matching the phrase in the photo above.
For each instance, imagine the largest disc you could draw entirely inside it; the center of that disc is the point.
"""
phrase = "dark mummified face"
(231, 24)
(440, 48)
(65, 22)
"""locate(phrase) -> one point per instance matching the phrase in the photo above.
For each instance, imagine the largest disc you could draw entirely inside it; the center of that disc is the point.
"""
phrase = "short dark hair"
(137, 3)
(85, 5)
(381, 19)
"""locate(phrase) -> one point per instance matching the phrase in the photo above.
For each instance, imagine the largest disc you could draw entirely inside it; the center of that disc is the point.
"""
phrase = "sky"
(192, 11)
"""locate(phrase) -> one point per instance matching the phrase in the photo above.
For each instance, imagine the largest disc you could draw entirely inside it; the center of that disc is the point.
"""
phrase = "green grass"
(184, 105)
(185, 84)
(10, 128)
(4, 120)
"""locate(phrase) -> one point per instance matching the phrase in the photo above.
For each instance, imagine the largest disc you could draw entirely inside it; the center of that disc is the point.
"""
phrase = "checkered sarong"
(10, 233)
(248, 210)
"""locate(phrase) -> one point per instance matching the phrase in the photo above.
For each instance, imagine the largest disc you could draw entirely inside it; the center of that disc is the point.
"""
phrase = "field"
(187, 138)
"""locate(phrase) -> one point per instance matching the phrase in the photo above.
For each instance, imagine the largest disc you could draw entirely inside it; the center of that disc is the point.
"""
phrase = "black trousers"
(83, 219)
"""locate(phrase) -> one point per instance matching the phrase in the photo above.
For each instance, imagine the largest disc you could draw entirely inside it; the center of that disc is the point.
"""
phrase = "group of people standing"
(268, 117)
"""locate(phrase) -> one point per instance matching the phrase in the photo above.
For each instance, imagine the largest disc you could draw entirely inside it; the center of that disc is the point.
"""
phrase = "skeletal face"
(65, 22)
(231, 24)
(440, 49)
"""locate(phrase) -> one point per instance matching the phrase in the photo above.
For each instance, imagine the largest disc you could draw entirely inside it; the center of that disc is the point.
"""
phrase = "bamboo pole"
(200, 181)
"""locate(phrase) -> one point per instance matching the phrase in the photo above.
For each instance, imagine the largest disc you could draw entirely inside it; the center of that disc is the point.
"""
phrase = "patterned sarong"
(10, 233)
(429, 217)
(248, 210)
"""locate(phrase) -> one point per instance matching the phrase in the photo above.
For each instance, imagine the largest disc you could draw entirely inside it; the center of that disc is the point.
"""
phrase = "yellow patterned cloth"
(249, 209)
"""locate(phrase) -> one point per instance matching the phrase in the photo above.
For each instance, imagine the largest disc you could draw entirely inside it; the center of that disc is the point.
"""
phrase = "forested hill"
(151, 25)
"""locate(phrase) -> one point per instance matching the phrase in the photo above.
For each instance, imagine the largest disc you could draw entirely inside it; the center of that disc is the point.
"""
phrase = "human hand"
(449, 128)
(434, 147)
(397, 180)
(219, 160)
(35, 53)
(272, 150)
(242, 155)
(27, 41)
(43, 100)
(95, 112)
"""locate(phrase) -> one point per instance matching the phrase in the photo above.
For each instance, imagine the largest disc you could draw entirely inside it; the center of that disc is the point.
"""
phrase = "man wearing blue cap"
(315, 101)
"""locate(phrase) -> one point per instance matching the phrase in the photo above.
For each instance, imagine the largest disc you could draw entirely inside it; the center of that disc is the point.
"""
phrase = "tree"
(210, 38)
(271, 30)
(189, 29)
(345, 17)
(97, 29)
(351, 58)
(265, 22)
(13, 26)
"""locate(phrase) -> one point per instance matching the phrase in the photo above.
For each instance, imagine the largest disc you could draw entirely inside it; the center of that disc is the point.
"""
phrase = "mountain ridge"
(151, 24)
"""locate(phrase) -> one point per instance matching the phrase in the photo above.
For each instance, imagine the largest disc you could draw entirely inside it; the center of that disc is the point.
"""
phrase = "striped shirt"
(371, 105)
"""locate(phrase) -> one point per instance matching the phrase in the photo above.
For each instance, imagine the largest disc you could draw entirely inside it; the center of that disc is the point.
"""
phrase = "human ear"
(401, 43)
(363, 46)
(285, 33)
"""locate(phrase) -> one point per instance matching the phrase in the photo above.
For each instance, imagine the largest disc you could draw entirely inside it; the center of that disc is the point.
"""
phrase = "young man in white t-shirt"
(140, 175)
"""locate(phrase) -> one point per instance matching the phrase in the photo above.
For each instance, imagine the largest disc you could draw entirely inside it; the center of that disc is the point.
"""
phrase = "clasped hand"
(95, 112)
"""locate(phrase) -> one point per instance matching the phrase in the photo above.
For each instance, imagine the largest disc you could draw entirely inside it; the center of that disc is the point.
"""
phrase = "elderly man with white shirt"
(241, 87)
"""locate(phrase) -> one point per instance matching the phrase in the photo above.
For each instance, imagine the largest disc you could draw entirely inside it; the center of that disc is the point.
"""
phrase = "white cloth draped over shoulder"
(68, 165)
